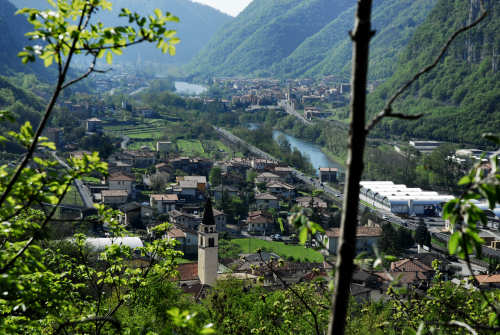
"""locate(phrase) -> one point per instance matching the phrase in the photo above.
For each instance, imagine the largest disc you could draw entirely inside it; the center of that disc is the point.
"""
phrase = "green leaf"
(454, 242)
(303, 235)
(48, 61)
(109, 58)
(280, 221)
(158, 13)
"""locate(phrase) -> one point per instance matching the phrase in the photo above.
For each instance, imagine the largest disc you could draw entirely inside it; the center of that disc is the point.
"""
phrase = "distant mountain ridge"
(198, 23)
(290, 38)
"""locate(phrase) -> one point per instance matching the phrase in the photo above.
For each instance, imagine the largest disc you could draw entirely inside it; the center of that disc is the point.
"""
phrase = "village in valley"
(231, 205)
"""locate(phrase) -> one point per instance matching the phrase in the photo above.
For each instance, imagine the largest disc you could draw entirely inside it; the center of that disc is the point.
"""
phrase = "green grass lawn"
(190, 147)
(298, 252)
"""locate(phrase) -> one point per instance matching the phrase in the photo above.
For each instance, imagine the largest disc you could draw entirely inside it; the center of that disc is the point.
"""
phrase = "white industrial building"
(399, 199)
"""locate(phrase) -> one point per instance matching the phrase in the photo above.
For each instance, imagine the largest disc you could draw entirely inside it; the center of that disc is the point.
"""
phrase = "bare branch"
(30, 241)
(387, 111)
(90, 70)
(46, 116)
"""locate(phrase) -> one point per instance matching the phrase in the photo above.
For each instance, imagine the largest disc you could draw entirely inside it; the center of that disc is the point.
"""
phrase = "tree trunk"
(357, 136)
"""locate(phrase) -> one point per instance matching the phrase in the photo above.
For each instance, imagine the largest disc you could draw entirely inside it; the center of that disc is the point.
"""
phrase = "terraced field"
(190, 147)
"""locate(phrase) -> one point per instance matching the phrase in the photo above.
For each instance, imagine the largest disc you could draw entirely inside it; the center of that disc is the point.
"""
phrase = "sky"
(231, 7)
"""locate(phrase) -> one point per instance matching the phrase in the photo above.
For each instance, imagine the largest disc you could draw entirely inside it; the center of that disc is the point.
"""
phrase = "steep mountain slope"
(197, 25)
(394, 22)
(461, 97)
(308, 39)
(12, 40)
(264, 33)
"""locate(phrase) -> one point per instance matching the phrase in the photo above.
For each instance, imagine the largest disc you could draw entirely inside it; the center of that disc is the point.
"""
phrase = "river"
(183, 87)
(313, 151)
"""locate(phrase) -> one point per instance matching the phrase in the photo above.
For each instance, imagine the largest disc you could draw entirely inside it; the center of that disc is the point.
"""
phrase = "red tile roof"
(188, 271)
(488, 279)
(164, 197)
(410, 265)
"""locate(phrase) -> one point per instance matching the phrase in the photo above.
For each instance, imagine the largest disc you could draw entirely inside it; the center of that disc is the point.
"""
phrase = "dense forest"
(460, 98)
(259, 41)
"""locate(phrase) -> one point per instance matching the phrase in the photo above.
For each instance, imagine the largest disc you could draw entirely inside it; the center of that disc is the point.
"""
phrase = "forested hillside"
(12, 40)
(461, 97)
(309, 38)
(197, 25)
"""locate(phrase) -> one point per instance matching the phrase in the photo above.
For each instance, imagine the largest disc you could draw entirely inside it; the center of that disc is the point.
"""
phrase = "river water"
(317, 157)
(183, 87)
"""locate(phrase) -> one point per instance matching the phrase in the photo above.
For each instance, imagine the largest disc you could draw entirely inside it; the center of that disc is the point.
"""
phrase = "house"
(163, 203)
(93, 125)
(140, 158)
(366, 238)
(188, 189)
(266, 177)
(266, 200)
(114, 198)
(415, 279)
(284, 172)
(185, 220)
(488, 281)
(220, 220)
(187, 238)
(201, 181)
(120, 181)
(260, 164)
(280, 189)
(328, 174)
(132, 214)
(410, 265)
(316, 202)
(224, 189)
(119, 166)
(193, 166)
(162, 167)
(260, 222)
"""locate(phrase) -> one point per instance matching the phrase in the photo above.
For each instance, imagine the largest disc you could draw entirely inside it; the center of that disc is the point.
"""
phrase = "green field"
(298, 252)
(190, 147)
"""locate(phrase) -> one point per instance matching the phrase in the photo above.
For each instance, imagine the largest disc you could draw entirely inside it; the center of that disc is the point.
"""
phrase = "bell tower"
(208, 247)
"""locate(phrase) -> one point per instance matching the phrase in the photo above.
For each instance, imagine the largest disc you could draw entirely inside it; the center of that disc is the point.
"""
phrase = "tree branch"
(46, 116)
(387, 111)
(357, 138)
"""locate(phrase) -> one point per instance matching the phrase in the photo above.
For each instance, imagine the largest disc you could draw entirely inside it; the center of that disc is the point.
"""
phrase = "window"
(211, 242)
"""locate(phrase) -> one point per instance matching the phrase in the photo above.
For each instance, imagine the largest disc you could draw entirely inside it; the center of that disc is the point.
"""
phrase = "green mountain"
(291, 38)
(197, 25)
(461, 97)
(264, 33)
(12, 40)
